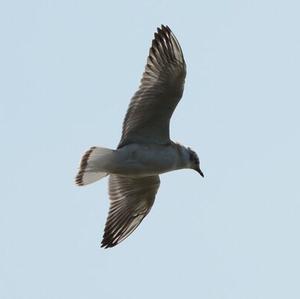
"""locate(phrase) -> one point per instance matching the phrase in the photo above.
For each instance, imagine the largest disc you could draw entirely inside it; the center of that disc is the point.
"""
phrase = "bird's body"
(137, 160)
(145, 150)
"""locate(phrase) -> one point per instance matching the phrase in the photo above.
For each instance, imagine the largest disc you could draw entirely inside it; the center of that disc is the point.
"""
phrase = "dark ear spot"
(191, 156)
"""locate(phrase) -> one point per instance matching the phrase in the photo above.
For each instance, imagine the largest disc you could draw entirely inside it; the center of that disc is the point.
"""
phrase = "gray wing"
(130, 201)
(148, 116)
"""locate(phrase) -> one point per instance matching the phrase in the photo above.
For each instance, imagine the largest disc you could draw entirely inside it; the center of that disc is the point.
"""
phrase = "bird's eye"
(193, 157)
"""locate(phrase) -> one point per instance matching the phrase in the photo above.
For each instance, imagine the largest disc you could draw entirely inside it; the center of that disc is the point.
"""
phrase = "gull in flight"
(145, 149)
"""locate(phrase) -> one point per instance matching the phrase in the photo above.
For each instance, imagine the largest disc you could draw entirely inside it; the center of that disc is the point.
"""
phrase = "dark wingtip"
(105, 243)
(165, 28)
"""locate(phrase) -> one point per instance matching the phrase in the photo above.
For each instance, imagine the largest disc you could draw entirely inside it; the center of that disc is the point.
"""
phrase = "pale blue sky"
(68, 70)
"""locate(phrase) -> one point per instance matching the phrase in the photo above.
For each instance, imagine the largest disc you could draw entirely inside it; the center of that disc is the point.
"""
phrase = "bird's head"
(194, 161)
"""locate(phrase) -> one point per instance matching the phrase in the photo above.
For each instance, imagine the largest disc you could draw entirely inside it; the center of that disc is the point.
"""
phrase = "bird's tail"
(92, 165)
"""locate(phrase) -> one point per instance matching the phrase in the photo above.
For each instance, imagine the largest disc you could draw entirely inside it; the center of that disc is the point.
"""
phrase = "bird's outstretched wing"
(148, 116)
(130, 201)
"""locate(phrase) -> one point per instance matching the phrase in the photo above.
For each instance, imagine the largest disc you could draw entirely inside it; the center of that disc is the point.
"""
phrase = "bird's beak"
(199, 171)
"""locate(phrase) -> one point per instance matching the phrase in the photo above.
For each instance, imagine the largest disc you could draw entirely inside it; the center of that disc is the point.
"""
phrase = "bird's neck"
(183, 156)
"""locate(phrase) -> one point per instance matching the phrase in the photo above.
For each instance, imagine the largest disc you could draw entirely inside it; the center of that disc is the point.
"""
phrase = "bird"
(145, 150)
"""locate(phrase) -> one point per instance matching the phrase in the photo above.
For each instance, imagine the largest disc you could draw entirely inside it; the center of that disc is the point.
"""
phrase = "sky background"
(68, 70)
